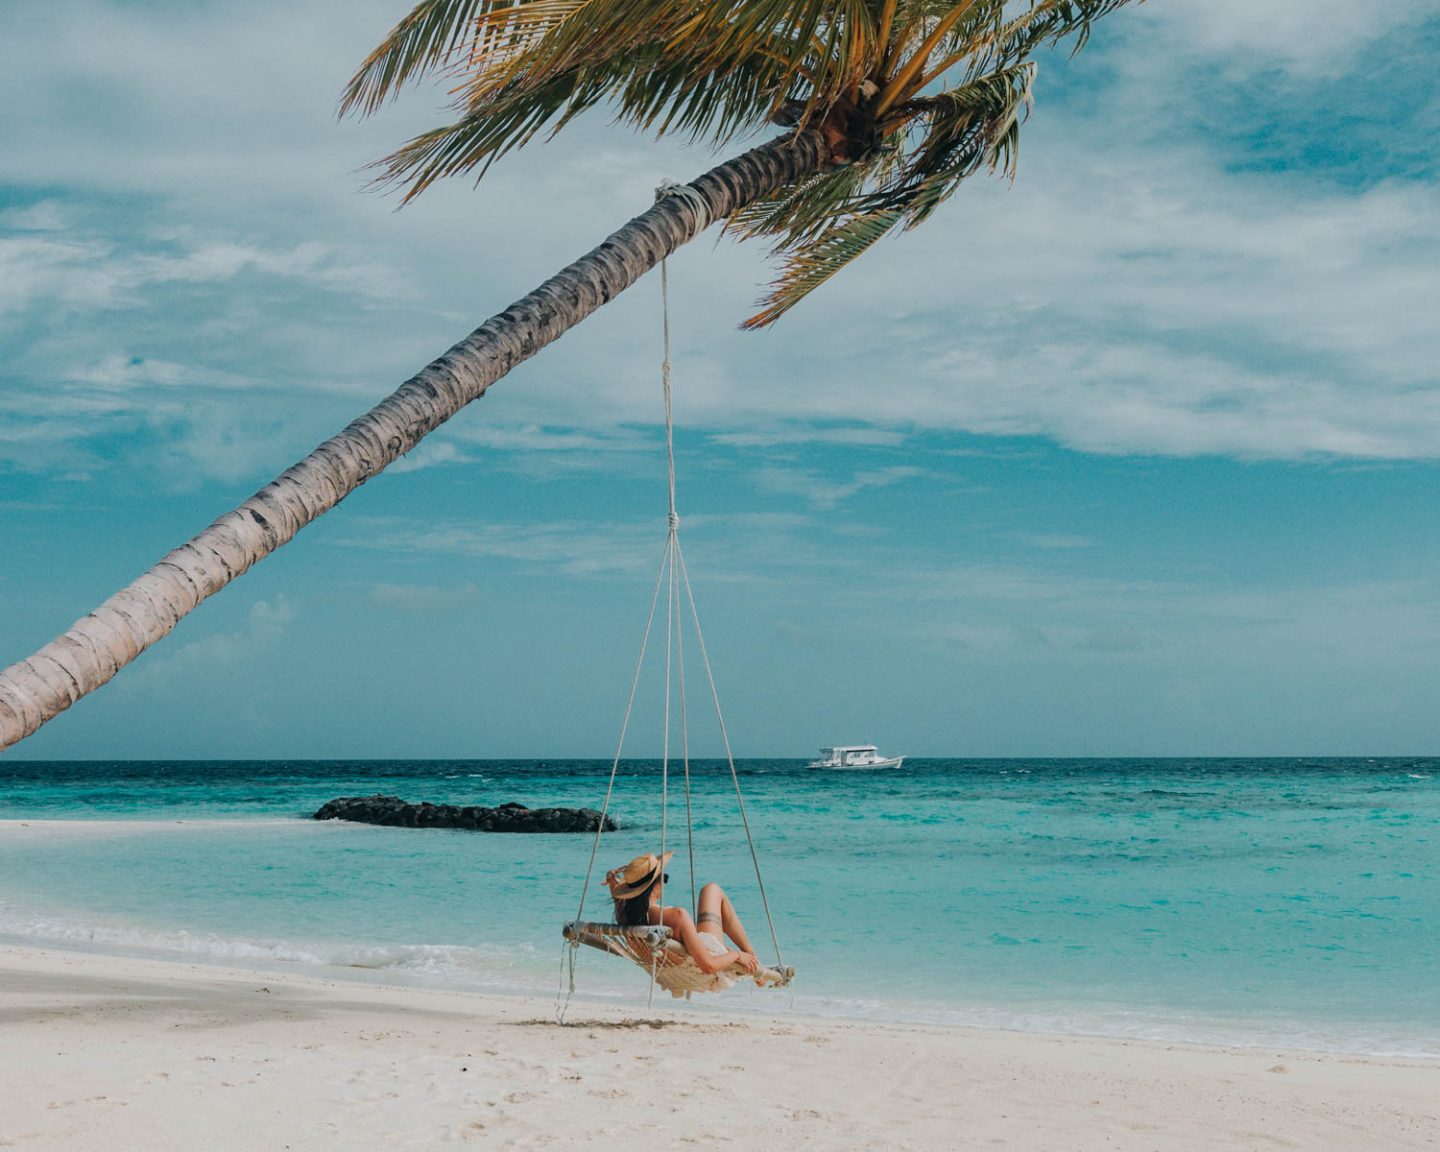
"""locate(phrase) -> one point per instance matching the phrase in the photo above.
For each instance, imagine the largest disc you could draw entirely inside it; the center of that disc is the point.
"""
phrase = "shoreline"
(745, 1004)
(234, 1058)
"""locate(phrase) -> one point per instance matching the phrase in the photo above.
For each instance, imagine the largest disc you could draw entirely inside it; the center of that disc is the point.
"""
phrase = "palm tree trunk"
(100, 644)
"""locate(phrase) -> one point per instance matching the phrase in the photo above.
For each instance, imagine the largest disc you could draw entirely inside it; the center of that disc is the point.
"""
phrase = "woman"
(637, 889)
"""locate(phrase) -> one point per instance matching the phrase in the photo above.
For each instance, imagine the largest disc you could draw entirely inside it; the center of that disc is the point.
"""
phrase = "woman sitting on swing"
(637, 889)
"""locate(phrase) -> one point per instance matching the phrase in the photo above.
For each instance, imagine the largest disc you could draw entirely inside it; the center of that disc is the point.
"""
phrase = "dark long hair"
(635, 910)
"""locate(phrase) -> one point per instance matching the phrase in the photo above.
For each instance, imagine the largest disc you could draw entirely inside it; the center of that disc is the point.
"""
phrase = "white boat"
(855, 757)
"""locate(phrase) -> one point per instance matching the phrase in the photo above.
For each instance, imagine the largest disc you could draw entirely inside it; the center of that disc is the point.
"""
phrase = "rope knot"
(674, 521)
(691, 196)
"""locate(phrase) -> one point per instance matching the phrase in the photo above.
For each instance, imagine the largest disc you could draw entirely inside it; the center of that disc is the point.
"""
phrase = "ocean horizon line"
(1165, 758)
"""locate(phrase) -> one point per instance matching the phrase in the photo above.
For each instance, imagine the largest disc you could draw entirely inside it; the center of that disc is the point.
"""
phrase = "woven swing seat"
(652, 948)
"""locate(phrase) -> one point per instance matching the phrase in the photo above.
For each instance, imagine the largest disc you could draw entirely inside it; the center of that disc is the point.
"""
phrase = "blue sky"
(1135, 456)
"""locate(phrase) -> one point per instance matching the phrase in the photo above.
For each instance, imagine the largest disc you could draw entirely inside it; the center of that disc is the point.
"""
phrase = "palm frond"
(804, 210)
(967, 128)
(425, 40)
(830, 40)
(472, 143)
(525, 43)
(1050, 21)
(911, 96)
(830, 220)
(506, 29)
(812, 265)
(662, 98)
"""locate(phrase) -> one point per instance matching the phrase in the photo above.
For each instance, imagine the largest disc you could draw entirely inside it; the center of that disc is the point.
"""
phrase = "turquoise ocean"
(1262, 902)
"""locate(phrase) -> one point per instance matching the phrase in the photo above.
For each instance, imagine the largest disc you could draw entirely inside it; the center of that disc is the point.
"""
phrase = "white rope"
(629, 707)
(665, 740)
(729, 756)
(671, 189)
(668, 188)
(685, 750)
(672, 542)
(570, 946)
(677, 554)
(665, 384)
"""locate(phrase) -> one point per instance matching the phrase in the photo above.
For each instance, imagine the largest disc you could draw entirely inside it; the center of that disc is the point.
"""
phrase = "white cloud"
(535, 438)
(267, 624)
(750, 521)
(120, 373)
(795, 434)
(574, 548)
(210, 441)
(431, 453)
(85, 269)
(538, 452)
(424, 598)
(527, 448)
(1150, 302)
(1057, 541)
(187, 343)
(825, 492)
(1149, 307)
(1154, 400)
(43, 216)
(1308, 37)
(1006, 612)
(36, 269)
(189, 422)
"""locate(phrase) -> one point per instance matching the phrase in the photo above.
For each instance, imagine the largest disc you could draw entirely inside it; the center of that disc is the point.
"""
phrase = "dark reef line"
(392, 812)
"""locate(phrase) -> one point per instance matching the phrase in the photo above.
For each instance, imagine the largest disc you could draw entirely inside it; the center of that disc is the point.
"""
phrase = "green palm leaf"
(810, 265)
(426, 39)
(911, 97)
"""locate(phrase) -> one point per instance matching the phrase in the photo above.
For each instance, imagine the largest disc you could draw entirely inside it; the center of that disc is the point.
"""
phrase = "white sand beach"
(98, 1052)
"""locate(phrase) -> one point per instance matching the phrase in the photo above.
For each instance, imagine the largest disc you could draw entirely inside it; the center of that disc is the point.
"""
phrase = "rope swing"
(652, 948)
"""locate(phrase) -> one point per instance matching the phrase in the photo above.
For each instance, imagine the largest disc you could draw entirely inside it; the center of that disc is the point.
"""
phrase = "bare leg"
(716, 914)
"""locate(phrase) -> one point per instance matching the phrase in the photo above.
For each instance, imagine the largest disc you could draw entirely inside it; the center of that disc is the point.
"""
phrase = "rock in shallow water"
(396, 813)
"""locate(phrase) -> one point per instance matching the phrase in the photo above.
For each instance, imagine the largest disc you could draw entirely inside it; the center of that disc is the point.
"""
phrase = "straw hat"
(636, 876)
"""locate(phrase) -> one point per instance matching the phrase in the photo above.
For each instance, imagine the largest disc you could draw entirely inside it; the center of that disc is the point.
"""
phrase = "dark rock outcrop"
(396, 813)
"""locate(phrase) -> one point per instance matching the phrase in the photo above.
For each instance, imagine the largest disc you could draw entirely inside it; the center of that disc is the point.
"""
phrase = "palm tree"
(887, 106)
